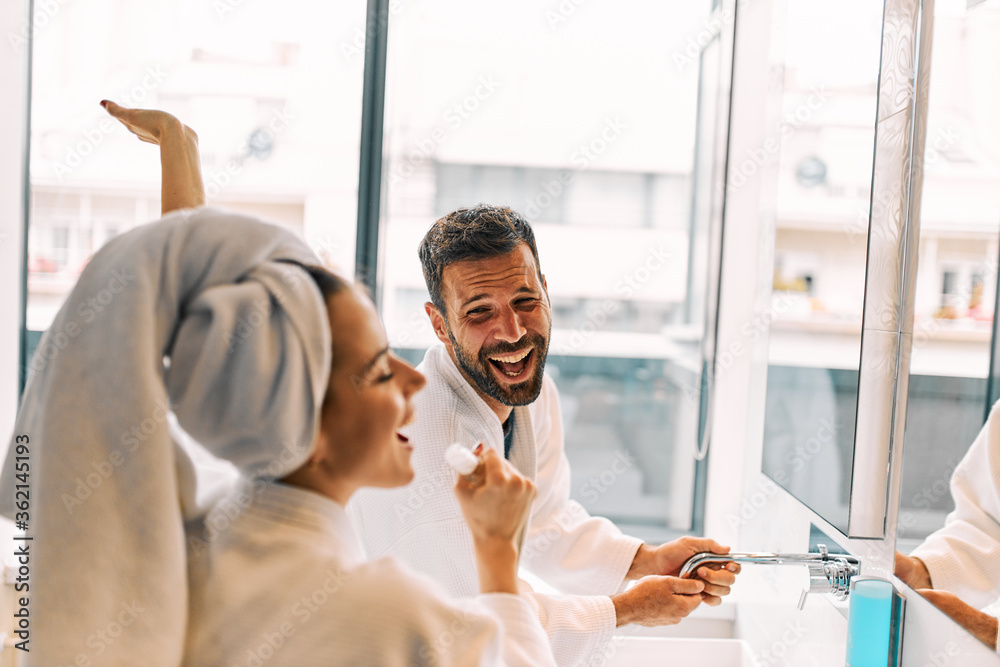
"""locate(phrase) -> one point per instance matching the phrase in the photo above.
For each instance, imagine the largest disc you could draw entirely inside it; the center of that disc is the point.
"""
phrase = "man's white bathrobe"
(586, 557)
(282, 580)
(963, 557)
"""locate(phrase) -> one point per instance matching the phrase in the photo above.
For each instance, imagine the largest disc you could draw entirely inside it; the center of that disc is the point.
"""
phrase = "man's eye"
(476, 311)
(384, 378)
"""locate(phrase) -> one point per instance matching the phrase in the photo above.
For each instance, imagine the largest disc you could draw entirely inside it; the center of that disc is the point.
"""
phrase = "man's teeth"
(513, 359)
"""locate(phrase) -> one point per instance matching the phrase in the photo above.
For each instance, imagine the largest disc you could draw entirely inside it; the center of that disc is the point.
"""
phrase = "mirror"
(828, 88)
(956, 288)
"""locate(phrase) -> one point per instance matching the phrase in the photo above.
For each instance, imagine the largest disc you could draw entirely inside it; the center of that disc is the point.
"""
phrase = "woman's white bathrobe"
(586, 557)
(963, 557)
(281, 579)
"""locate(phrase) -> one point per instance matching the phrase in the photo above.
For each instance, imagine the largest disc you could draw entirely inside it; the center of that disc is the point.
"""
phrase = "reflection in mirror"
(829, 98)
(953, 323)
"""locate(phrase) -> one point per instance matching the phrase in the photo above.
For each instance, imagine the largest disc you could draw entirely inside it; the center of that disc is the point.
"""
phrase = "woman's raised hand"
(150, 125)
(181, 183)
(496, 505)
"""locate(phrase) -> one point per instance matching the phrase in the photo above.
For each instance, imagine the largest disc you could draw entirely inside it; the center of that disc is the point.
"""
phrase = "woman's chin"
(402, 475)
(393, 469)
(409, 475)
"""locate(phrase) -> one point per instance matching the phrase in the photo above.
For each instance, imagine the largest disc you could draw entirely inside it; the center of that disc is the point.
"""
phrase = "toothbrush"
(464, 462)
(461, 460)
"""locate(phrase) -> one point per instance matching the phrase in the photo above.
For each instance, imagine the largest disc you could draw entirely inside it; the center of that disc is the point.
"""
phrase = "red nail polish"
(104, 103)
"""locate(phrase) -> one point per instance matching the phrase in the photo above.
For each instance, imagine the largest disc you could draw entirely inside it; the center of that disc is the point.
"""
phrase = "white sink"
(678, 652)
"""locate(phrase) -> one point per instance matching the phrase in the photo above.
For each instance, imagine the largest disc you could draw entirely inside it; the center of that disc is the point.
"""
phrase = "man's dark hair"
(476, 232)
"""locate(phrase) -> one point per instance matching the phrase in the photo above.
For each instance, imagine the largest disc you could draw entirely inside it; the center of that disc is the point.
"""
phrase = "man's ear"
(437, 322)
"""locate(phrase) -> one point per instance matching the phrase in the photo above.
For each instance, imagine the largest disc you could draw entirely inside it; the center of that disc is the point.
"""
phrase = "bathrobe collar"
(305, 509)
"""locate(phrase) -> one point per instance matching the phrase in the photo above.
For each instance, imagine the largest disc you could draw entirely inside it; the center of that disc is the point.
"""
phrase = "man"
(958, 567)
(485, 383)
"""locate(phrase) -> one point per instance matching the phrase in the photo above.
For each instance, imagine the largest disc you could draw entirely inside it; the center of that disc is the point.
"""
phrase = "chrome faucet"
(827, 574)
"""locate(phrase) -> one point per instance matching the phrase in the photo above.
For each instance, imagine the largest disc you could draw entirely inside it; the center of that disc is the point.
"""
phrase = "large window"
(583, 119)
(273, 92)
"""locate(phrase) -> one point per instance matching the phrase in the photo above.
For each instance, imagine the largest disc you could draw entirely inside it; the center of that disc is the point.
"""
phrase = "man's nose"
(509, 328)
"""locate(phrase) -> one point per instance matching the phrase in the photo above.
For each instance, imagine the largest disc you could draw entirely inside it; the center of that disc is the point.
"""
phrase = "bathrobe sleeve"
(963, 557)
(294, 608)
(391, 616)
(565, 546)
(579, 627)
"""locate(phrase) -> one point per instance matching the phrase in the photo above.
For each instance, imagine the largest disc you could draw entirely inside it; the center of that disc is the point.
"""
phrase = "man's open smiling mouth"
(513, 365)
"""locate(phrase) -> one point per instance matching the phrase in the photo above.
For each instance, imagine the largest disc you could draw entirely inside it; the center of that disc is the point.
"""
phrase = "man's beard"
(478, 369)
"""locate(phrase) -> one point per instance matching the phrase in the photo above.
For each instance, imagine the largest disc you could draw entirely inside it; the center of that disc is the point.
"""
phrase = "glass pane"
(956, 270)
(828, 97)
(275, 99)
(595, 146)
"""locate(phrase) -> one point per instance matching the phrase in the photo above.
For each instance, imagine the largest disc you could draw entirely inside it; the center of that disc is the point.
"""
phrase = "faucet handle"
(824, 577)
(829, 574)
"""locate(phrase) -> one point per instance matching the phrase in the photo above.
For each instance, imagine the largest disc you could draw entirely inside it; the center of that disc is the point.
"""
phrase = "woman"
(306, 401)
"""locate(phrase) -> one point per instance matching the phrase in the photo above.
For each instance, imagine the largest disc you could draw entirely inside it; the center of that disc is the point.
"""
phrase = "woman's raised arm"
(181, 183)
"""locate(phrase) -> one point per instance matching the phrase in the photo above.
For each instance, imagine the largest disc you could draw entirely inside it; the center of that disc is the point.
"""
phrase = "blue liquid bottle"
(870, 624)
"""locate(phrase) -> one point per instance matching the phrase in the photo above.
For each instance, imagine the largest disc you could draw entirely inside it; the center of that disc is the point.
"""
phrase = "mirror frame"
(890, 282)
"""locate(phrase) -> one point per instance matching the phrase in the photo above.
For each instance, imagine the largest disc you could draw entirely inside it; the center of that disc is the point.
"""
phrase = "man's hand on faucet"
(667, 560)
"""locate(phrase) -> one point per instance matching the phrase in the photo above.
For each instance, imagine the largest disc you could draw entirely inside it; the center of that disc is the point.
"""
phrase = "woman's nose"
(416, 382)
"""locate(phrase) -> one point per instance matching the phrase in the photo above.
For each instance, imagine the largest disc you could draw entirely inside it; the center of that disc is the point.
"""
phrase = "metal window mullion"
(993, 379)
(25, 211)
(700, 500)
(372, 119)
